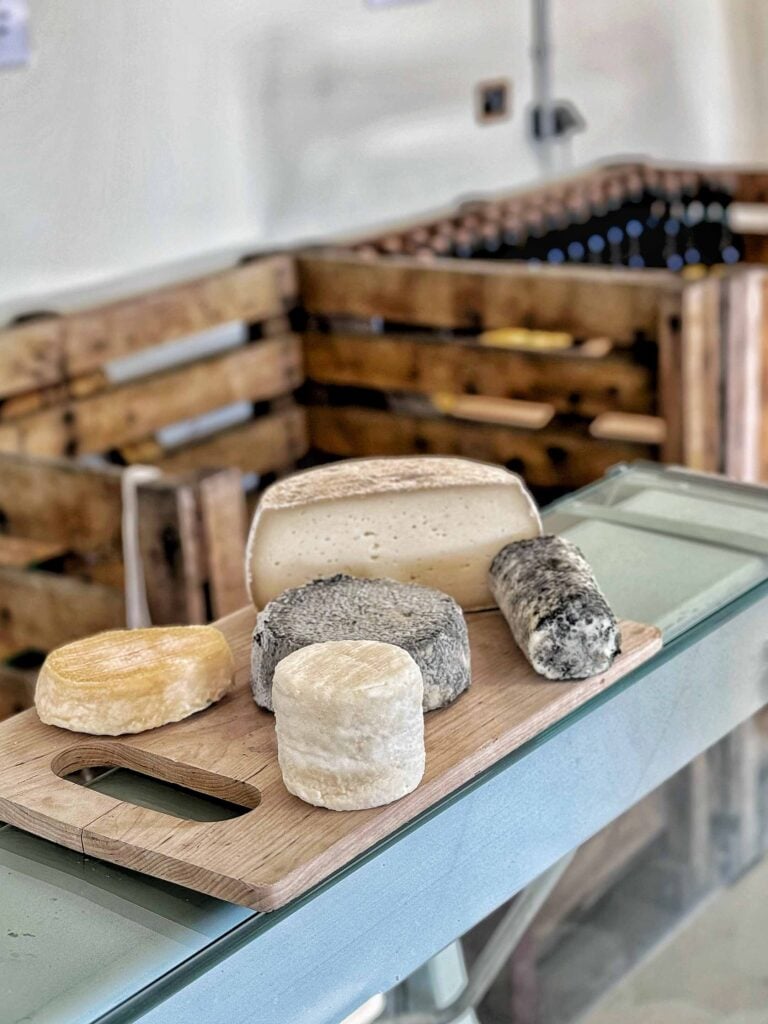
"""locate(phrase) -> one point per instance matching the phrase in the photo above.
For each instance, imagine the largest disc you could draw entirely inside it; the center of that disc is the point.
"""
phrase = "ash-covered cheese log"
(128, 680)
(425, 623)
(350, 729)
(425, 519)
(557, 613)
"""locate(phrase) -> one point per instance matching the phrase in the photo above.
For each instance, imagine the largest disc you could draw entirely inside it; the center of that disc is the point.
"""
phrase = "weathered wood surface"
(424, 363)
(702, 376)
(223, 525)
(59, 501)
(44, 609)
(282, 847)
(50, 350)
(270, 443)
(547, 458)
(132, 411)
(480, 295)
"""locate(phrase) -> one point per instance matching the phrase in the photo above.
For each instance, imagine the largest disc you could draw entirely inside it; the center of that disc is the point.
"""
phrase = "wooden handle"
(107, 753)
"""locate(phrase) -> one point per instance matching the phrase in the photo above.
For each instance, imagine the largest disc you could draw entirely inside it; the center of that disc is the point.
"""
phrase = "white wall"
(153, 138)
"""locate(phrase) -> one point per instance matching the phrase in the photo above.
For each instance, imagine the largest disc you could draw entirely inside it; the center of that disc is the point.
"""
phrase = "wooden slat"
(132, 411)
(223, 518)
(170, 544)
(23, 551)
(48, 351)
(58, 501)
(45, 609)
(480, 295)
(268, 444)
(547, 458)
(17, 690)
(746, 448)
(671, 377)
(702, 376)
(625, 426)
(395, 362)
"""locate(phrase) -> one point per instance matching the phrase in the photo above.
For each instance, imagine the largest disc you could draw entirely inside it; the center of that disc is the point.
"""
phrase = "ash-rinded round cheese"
(128, 680)
(425, 623)
(558, 615)
(435, 520)
(350, 729)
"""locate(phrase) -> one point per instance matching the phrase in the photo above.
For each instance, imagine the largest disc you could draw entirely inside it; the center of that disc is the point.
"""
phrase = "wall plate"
(14, 33)
(493, 100)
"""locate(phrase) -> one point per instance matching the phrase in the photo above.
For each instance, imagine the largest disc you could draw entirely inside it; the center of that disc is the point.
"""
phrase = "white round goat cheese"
(350, 729)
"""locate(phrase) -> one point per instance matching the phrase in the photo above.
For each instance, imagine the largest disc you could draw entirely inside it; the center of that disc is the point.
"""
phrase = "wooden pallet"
(281, 846)
(65, 395)
(61, 570)
(640, 376)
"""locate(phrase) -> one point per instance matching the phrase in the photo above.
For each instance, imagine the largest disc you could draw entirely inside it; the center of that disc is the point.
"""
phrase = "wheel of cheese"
(128, 680)
(350, 729)
(425, 519)
(558, 615)
(428, 625)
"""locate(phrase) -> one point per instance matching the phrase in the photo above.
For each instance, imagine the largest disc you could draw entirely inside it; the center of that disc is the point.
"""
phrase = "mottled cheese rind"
(126, 681)
(558, 615)
(349, 724)
(427, 624)
(435, 520)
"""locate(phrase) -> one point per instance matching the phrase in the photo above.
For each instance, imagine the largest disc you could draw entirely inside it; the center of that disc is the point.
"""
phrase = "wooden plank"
(48, 351)
(17, 690)
(59, 501)
(172, 556)
(671, 397)
(24, 551)
(746, 375)
(45, 609)
(509, 411)
(626, 426)
(268, 444)
(283, 846)
(222, 511)
(402, 362)
(132, 411)
(546, 458)
(479, 295)
(702, 414)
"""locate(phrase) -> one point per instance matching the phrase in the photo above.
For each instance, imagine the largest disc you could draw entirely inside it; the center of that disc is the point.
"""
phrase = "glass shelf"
(78, 938)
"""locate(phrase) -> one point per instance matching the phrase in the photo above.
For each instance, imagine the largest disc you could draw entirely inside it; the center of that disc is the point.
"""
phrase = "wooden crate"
(59, 395)
(69, 419)
(61, 565)
(398, 361)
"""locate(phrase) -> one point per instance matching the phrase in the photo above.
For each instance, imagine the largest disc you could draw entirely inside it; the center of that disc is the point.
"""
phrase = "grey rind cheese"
(557, 613)
(426, 623)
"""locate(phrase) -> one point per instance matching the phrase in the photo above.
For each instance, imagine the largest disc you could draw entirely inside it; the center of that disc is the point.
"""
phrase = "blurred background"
(144, 135)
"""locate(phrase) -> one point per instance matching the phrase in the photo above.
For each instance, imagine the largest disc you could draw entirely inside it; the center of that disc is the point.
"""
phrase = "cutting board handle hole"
(149, 780)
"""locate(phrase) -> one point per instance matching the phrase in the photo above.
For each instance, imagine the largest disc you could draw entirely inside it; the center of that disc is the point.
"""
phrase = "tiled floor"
(713, 970)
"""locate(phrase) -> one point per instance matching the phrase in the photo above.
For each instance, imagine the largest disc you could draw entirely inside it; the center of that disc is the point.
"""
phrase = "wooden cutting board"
(281, 846)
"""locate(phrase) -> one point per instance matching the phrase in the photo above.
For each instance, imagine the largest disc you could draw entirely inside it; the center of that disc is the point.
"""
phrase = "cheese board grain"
(280, 847)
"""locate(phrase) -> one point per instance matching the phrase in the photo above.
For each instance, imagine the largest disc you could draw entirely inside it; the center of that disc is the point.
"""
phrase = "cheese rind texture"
(558, 615)
(349, 724)
(428, 625)
(434, 520)
(126, 681)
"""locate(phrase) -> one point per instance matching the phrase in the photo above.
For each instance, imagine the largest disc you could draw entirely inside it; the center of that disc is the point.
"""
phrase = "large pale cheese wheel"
(558, 615)
(425, 623)
(350, 730)
(433, 520)
(128, 680)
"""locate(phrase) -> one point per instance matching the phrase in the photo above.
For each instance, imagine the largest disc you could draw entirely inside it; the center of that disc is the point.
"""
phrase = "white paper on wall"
(14, 33)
